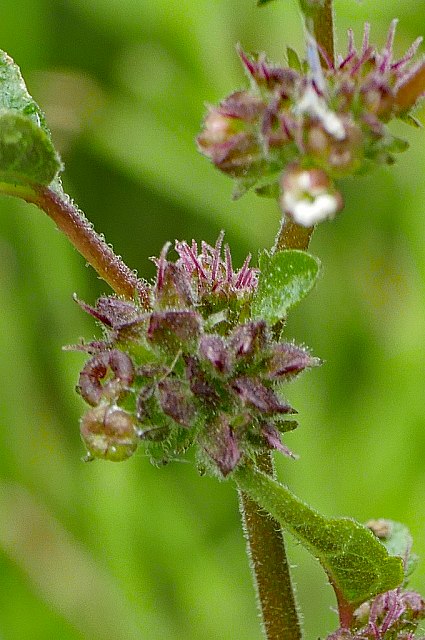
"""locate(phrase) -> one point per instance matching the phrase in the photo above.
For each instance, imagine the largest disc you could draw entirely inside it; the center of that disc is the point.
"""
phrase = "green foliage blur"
(106, 551)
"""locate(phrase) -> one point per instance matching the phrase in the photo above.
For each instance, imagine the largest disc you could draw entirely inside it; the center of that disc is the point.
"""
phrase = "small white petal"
(308, 212)
(314, 106)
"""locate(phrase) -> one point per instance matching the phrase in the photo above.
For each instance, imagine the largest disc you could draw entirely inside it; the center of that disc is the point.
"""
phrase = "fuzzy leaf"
(286, 277)
(27, 155)
(357, 563)
(397, 540)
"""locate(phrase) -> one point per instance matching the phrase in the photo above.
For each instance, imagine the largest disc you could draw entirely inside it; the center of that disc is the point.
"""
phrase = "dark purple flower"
(288, 360)
(248, 339)
(220, 443)
(173, 330)
(176, 402)
(214, 349)
(253, 392)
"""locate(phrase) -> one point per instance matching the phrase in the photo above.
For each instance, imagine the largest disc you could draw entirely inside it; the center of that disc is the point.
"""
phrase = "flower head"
(333, 119)
(191, 369)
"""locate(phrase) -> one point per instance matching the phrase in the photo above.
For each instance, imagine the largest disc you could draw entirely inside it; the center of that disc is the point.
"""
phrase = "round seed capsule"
(109, 433)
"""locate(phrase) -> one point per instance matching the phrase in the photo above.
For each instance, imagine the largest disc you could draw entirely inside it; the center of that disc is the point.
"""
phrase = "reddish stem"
(83, 237)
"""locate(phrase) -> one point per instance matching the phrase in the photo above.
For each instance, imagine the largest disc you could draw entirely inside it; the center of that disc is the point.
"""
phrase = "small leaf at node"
(286, 277)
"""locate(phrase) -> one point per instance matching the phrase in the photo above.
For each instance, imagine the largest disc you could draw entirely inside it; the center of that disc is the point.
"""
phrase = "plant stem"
(80, 232)
(266, 550)
(265, 541)
(292, 236)
(323, 29)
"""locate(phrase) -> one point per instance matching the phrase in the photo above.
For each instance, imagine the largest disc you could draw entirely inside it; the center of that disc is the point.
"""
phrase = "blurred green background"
(108, 551)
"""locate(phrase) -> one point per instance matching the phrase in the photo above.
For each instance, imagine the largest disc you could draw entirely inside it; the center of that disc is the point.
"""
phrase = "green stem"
(266, 550)
(80, 232)
(264, 536)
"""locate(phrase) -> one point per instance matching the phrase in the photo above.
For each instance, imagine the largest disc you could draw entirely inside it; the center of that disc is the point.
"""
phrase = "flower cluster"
(300, 127)
(189, 367)
(393, 615)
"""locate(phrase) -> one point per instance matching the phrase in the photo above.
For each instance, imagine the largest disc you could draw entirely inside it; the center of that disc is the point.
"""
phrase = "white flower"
(309, 211)
(308, 196)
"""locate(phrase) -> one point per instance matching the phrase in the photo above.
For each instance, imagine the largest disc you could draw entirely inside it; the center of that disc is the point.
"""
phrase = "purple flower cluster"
(190, 367)
(393, 615)
(322, 116)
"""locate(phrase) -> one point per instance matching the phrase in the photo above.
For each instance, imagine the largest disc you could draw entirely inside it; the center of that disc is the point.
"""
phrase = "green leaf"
(285, 278)
(293, 60)
(357, 563)
(260, 3)
(397, 539)
(397, 145)
(27, 154)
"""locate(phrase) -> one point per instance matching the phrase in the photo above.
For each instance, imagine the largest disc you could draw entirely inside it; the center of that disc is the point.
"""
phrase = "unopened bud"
(229, 136)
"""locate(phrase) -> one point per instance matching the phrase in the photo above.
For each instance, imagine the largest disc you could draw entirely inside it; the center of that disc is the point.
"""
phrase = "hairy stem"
(80, 232)
(266, 549)
(264, 536)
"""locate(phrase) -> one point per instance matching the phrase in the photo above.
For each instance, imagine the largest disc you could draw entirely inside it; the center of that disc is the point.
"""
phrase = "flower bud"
(174, 330)
(288, 360)
(214, 349)
(221, 445)
(248, 339)
(175, 401)
(172, 287)
(109, 433)
(253, 393)
(229, 137)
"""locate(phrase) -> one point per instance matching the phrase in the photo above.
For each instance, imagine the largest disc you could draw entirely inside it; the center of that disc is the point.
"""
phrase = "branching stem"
(80, 232)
